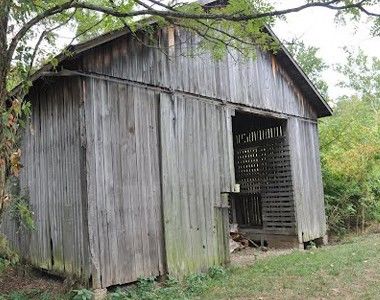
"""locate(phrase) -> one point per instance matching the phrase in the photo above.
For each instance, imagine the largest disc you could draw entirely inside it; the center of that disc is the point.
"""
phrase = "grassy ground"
(346, 271)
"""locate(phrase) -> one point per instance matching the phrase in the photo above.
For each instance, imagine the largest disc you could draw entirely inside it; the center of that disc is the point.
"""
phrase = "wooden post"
(224, 207)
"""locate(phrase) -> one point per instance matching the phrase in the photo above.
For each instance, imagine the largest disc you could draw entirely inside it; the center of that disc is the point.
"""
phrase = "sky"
(316, 27)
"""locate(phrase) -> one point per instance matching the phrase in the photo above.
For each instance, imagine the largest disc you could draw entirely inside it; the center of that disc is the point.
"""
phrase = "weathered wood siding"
(307, 179)
(127, 172)
(197, 166)
(52, 178)
(124, 186)
(259, 83)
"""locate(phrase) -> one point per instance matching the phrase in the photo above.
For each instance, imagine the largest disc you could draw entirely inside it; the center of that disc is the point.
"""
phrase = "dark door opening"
(262, 169)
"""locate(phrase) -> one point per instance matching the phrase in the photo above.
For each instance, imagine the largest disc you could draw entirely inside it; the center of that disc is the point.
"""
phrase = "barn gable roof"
(283, 57)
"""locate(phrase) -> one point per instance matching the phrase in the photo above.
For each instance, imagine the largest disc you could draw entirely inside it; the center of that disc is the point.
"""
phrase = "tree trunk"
(4, 59)
(4, 68)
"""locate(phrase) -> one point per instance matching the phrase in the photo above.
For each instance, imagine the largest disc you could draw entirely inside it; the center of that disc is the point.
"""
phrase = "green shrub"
(7, 255)
(119, 295)
(82, 294)
(350, 155)
(217, 272)
(196, 283)
(20, 209)
(18, 296)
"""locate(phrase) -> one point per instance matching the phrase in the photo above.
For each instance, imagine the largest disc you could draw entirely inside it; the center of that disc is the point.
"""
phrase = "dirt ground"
(24, 278)
(249, 255)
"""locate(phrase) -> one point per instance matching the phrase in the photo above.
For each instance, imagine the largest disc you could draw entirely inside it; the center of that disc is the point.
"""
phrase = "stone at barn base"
(100, 294)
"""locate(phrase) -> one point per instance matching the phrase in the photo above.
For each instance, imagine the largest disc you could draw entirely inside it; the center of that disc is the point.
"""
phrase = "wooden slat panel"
(51, 155)
(193, 174)
(308, 188)
(123, 178)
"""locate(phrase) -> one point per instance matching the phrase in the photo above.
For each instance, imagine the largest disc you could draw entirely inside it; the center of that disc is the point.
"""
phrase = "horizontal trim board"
(239, 107)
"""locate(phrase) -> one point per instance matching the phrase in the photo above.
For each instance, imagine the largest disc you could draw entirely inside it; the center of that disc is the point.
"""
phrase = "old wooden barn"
(138, 158)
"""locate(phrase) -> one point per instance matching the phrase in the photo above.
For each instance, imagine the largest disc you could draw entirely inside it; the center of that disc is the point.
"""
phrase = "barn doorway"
(264, 202)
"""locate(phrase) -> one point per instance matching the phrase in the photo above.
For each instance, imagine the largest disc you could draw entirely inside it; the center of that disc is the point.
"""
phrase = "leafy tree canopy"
(311, 63)
(350, 143)
(237, 24)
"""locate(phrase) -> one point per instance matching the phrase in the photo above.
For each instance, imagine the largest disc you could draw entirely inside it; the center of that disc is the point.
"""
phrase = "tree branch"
(173, 13)
(367, 12)
(41, 38)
